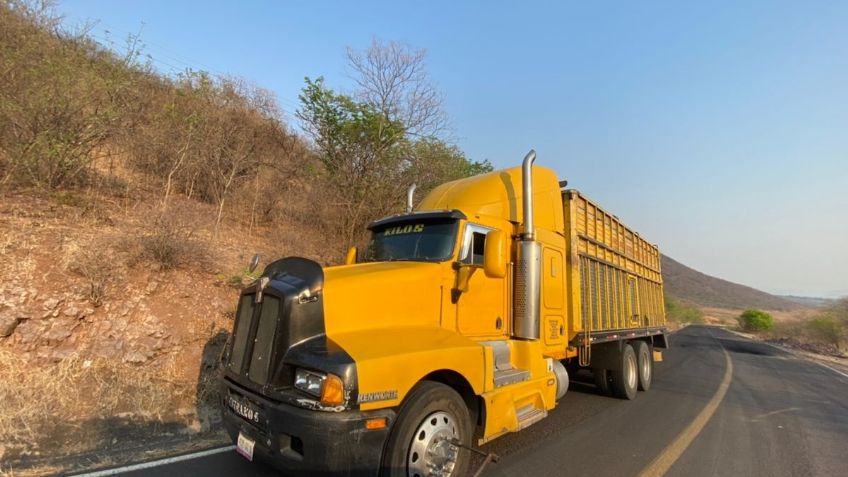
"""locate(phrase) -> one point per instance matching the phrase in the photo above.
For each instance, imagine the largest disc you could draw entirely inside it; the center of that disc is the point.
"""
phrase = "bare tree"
(391, 77)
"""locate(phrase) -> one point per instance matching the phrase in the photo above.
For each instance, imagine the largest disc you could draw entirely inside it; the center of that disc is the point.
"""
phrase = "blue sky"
(719, 130)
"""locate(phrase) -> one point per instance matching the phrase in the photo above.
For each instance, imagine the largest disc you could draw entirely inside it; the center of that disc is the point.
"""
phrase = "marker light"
(332, 392)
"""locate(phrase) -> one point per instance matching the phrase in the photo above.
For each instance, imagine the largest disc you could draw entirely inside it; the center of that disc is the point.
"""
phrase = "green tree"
(361, 150)
(755, 320)
(370, 159)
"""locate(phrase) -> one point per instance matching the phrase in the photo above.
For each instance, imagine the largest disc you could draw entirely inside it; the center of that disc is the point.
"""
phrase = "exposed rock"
(104, 326)
(60, 330)
(71, 311)
(8, 323)
(58, 354)
(137, 357)
(149, 343)
(21, 295)
(28, 331)
(112, 349)
(151, 287)
(51, 303)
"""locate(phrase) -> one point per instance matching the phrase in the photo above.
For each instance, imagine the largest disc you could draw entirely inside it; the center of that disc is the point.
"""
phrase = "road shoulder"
(835, 364)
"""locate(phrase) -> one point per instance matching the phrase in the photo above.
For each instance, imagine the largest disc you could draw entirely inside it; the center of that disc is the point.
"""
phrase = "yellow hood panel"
(381, 295)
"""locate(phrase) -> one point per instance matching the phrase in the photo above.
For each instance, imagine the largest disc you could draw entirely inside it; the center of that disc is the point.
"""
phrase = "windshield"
(418, 240)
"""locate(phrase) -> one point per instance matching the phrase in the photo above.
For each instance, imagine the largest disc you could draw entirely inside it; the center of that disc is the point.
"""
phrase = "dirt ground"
(124, 346)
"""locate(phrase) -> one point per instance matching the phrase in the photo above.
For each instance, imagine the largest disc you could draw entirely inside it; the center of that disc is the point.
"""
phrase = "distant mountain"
(687, 284)
(814, 302)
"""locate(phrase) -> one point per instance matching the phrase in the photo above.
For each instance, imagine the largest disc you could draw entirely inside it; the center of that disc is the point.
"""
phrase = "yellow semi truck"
(459, 323)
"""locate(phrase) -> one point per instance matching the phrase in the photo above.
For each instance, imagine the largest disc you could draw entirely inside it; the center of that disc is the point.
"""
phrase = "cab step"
(529, 415)
(505, 373)
(509, 376)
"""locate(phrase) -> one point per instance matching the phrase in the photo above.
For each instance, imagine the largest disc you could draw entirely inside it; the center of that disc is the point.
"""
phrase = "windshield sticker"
(404, 229)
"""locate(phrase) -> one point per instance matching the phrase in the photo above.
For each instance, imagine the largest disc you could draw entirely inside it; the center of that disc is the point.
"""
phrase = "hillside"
(687, 284)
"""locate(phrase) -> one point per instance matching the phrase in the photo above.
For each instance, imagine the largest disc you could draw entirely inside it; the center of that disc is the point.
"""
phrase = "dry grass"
(173, 241)
(95, 262)
(43, 403)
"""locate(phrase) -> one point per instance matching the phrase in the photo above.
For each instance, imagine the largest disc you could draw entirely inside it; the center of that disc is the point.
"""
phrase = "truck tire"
(625, 379)
(602, 381)
(645, 361)
(430, 417)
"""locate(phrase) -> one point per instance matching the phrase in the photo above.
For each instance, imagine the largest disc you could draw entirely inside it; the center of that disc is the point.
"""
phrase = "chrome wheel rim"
(631, 371)
(432, 452)
(646, 368)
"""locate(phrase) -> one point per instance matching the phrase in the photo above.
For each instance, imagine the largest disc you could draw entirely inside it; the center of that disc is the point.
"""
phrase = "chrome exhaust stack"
(409, 195)
(526, 323)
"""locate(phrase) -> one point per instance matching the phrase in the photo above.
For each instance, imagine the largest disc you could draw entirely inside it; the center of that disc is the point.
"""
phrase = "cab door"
(482, 310)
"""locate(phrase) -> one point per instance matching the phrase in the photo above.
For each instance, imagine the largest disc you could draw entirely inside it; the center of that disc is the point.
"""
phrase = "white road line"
(157, 463)
(792, 352)
(832, 369)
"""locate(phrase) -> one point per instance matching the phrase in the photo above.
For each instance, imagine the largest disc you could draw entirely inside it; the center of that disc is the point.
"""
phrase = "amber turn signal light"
(332, 391)
(377, 423)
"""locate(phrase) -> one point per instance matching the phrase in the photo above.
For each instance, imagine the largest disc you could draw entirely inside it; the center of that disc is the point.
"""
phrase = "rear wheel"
(602, 381)
(421, 441)
(645, 361)
(625, 379)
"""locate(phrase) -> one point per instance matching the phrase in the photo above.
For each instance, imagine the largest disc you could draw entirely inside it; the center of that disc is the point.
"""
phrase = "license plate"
(243, 408)
(244, 446)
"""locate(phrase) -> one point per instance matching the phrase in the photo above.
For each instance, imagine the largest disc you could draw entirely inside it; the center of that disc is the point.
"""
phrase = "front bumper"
(310, 442)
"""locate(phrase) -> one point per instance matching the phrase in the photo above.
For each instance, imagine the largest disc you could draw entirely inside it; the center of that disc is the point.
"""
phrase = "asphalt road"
(720, 405)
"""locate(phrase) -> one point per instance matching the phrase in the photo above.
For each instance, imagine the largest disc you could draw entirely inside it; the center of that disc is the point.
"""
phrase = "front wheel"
(421, 443)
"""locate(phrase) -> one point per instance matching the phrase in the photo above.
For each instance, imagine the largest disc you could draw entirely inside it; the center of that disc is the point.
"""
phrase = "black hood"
(289, 319)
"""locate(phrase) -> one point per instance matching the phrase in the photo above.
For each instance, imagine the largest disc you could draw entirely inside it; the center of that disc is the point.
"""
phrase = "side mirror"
(350, 258)
(494, 255)
(254, 262)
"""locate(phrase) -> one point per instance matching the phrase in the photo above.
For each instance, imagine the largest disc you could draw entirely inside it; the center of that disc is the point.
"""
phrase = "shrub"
(54, 98)
(172, 243)
(238, 279)
(95, 262)
(826, 328)
(755, 320)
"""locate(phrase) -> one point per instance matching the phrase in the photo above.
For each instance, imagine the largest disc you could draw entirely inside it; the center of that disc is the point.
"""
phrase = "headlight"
(329, 388)
(309, 381)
